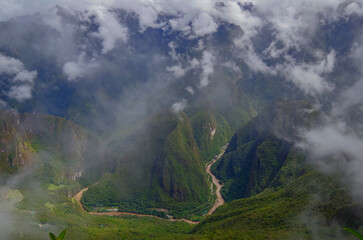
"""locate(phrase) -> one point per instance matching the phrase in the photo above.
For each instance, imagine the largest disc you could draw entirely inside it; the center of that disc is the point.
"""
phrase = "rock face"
(163, 169)
(15, 149)
(70, 149)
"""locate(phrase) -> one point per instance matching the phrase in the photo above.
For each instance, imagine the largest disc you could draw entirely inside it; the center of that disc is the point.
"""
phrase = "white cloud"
(21, 92)
(233, 13)
(204, 24)
(75, 70)
(256, 63)
(354, 8)
(110, 30)
(335, 148)
(172, 52)
(25, 76)
(232, 66)
(176, 70)
(308, 77)
(190, 90)
(194, 63)
(307, 80)
(207, 65)
(9, 65)
(337, 145)
(179, 106)
(19, 75)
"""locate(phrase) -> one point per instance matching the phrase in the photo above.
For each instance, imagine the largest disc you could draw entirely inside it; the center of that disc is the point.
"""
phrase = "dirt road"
(219, 201)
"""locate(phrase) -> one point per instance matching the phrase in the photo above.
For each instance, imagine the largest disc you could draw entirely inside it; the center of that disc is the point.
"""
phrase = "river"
(219, 201)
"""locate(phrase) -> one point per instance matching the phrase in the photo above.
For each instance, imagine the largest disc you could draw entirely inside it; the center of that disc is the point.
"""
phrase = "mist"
(111, 66)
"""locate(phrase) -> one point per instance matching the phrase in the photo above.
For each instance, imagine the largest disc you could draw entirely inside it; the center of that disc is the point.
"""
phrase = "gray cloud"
(22, 82)
(207, 64)
(79, 68)
(308, 77)
(110, 30)
(176, 70)
(21, 92)
(292, 25)
(179, 106)
(337, 145)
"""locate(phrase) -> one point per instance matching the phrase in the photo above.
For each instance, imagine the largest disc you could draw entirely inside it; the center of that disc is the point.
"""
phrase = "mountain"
(163, 169)
(16, 151)
(311, 206)
(61, 150)
(262, 154)
(128, 102)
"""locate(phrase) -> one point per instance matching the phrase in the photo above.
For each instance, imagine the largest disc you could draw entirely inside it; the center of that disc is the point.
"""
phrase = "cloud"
(336, 146)
(233, 66)
(207, 65)
(308, 77)
(25, 76)
(75, 70)
(179, 106)
(22, 82)
(21, 92)
(204, 24)
(255, 63)
(110, 30)
(190, 90)
(12, 66)
(354, 8)
(9, 65)
(233, 13)
(194, 63)
(337, 149)
(176, 70)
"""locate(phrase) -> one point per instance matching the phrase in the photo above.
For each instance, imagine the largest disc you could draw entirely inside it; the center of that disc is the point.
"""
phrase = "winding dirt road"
(219, 201)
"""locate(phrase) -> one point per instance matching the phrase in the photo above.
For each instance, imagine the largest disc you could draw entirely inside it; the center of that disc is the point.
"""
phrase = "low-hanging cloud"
(21, 80)
(179, 106)
(336, 146)
(308, 77)
(207, 64)
(110, 30)
(80, 68)
(289, 27)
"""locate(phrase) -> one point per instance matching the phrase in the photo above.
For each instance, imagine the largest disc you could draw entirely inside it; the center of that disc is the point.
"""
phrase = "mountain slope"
(61, 150)
(163, 169)
(286, 213)
(261, 154)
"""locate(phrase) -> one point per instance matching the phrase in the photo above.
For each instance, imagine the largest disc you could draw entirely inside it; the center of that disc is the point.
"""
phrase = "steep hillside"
(163, 169)
(215, 117)
(261, 154)
(60, 149)
(15, 150)
(312, 207)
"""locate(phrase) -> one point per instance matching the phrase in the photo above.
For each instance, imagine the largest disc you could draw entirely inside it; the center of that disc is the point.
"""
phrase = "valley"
(219, 201)
(184, 120)
(214, 183)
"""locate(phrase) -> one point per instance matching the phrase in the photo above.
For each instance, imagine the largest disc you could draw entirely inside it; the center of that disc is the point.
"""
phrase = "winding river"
(219, 201)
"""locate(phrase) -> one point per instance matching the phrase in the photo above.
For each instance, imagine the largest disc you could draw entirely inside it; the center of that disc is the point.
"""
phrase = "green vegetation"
(61, 236)
(284, 214)
(163, 169)
(210, 132)
(260, 155)
(354, 233)
(286, 194)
